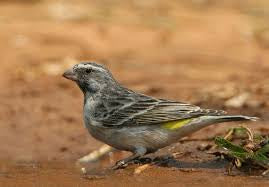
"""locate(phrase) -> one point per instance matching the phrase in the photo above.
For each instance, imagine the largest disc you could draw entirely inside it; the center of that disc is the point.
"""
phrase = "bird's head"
(90, 77)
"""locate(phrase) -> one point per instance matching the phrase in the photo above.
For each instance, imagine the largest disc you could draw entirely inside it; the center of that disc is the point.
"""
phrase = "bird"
(135, 122)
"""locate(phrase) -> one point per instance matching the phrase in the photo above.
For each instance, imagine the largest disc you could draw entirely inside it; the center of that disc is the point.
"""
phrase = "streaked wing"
(144, 110)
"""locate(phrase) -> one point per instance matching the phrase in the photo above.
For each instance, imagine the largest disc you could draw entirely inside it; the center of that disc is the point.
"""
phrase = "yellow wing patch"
(173, 125)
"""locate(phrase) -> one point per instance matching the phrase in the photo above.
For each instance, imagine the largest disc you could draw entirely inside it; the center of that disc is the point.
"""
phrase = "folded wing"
(145, 110)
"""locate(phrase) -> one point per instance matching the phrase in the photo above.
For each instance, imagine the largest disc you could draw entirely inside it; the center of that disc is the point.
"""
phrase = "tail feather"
(235, 118)
(204, 121)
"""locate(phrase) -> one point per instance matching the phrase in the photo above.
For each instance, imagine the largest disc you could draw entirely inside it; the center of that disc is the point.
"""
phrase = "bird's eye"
(88, 70)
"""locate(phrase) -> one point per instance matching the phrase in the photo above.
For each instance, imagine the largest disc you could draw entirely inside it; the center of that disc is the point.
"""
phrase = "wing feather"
(145, 110)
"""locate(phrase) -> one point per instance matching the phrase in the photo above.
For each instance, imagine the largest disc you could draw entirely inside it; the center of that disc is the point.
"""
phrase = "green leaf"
(228, 145)
(260, 156)
(234, 150)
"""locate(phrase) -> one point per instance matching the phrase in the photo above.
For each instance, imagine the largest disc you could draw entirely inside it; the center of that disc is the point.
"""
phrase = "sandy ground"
(202, 52)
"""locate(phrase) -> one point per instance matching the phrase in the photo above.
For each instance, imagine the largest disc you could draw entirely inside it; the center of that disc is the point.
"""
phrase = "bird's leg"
(140, 151)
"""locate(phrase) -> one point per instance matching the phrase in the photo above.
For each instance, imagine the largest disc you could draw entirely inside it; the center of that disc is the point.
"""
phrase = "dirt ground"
(204, 52)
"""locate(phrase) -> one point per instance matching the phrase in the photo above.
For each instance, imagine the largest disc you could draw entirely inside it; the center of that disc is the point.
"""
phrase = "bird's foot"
(121, 164)
(140, 151)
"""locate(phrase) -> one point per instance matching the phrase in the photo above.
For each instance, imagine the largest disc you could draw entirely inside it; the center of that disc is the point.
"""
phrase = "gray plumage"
(131, 121)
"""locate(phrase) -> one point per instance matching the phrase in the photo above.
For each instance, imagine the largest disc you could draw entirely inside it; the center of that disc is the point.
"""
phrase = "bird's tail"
(220, 119)
(204, 121)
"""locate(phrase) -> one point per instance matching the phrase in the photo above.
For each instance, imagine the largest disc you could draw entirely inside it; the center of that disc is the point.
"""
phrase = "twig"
(249, 133)
(140, 169)
(95, 155)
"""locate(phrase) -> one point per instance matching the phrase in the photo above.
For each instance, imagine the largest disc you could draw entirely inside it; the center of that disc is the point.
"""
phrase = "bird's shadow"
(166, 161)
(209, 164)
(171, 162)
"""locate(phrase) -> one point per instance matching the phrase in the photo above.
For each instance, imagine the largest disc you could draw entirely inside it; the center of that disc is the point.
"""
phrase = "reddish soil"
(202, 52)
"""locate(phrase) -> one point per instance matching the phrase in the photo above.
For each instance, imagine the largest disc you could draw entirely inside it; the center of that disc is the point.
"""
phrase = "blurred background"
(207, 52)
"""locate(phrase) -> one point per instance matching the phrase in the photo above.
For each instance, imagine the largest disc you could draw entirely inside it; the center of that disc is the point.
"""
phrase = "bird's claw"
(120, 165)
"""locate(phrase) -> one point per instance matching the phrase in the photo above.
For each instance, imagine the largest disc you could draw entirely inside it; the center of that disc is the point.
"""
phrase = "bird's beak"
(69, 74)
